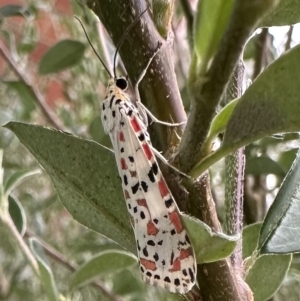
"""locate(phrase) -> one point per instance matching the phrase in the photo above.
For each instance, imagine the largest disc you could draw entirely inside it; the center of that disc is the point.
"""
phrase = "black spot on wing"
(169, 203)
(144, 186)
(142, 215)
(172, 258)
(177, 282)
(173, 232)
(122, 150)
(151, 243)
(145, 252)
(118, 101)
(191, 275)
(135, 188)
(156, 257)
(157, 277)
(141, 137)
(113, 113)
(155, 168)
(131, 159)
(184, 272)
(135, 209)
(167, 279)
(155, 220)
(151, 176)
(160, 243)
(125, 180)
(149, 274)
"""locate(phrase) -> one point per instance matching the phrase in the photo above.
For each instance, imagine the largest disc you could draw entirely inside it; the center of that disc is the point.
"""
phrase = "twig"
(37, 96)
(61, 259)
(260, 52)
(289, 38)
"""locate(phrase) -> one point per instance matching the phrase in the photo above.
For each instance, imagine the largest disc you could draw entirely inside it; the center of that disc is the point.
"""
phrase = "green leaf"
(209, 246)
(85, 177)
(263, 165)
(269, 106)
(46, 275)
(280, 232)
(210, 23)
(17, 178)
(125, 283)
(17, 213)
(287, 12)
(13, 10)
(105, 262)
(287, 158)
(63, 55)
(266, 275)
(250, 239)
(219, 122)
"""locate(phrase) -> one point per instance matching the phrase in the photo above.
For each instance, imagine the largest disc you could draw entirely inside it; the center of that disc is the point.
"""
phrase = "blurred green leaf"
(85, 177)
(209, 246)
(210, 23)
(97, 133)
(63, 55)
(125, 283)
(250, 239)
(46, 275)
(287, 12)
(263, 165)
(287, 158)
(13, 10)
(17, 213)
(17, 178)
(25, 94)
(280, 232)
(105, 262)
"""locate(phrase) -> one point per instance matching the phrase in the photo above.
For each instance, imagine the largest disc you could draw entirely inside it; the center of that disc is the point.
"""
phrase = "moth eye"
(121, 83)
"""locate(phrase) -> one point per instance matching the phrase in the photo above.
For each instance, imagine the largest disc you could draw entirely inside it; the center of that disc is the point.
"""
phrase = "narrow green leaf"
(219, 122)
(267, 274)
(287, 12)
(46, 275)
(269, 106)
(263, 165)
(104, 263)
(17, 213)
(280, 232)
(209, 246)
(210, 23)
(63, 55)
(17, 178)
(85, 177)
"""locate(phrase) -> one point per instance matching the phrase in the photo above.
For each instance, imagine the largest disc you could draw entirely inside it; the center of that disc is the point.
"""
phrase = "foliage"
(45, 251)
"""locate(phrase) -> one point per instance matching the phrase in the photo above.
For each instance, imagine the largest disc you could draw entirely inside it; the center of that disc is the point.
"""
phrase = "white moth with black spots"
(165, 253)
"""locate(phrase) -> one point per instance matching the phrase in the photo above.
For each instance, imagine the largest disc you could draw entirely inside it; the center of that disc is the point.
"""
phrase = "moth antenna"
(102, 62)
(124, 36)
